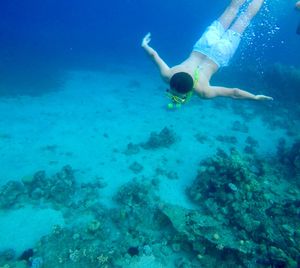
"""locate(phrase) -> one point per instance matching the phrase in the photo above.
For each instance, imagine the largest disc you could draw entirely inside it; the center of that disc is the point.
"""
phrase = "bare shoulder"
(202, 91)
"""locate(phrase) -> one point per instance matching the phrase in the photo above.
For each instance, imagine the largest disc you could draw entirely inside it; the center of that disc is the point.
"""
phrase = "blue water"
(70, 34)
(77, 89)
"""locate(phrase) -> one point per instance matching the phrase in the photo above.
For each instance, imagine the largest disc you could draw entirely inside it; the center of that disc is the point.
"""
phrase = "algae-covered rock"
(164, 139)
(231, 189)
(195, 226)
(11, 194)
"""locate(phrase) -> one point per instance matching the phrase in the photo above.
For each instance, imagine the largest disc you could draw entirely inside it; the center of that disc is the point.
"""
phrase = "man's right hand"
(146, 40)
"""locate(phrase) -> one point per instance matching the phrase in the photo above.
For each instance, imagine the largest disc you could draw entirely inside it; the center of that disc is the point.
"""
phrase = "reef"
(246, 214)
(157, 140)
(227, 139)
(164, 139)
(239, 126)
(251, 145)
(58, 190)
(240, 214)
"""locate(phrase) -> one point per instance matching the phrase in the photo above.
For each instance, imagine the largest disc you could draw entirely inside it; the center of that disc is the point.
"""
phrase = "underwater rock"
(136, 168)
(197, 228)
(227, 139)
(172, 175)
(217, 174)
(237, 222)
(137, 193)
(62, 186)
(36, 262)
(11, 194)
(133, 251)
(58, 189)
(8, 254)
(26, 255)
(27, 180)
(132, 149)
(202, 138)
(94, 226)
(240, 127)
(164, 139)
(87, 195)
(251, 142)
(233, 195)
(147, 250)
(251, 145)
(38, 182)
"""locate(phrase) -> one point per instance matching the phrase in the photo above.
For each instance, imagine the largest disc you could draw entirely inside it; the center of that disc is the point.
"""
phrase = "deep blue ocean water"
(45, 36)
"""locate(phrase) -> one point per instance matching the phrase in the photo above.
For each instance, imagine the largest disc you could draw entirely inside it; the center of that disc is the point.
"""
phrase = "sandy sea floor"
(89, 124)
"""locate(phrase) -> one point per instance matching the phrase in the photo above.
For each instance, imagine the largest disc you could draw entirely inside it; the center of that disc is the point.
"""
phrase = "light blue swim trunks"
(217, 44)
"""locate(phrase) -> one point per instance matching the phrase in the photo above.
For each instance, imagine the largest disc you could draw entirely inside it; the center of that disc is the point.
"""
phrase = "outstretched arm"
(235, 93)
(162, 66)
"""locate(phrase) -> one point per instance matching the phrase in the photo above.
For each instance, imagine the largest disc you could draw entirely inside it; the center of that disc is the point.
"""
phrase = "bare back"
(195, 61)
(223, 33)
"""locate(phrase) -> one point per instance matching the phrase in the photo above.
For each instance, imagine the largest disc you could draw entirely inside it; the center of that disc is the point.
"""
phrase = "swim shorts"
(217, 44)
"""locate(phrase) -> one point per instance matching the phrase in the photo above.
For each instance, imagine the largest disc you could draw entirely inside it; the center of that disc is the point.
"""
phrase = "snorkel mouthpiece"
(172, 105)
(178, 101)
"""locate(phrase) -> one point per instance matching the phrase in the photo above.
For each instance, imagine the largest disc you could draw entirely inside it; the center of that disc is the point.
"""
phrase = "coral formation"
(239, 126)
(136, 168)
(227, 139)
(58, 189)
(235, 203)
(132, 149)
(164, 139)
(240, 219)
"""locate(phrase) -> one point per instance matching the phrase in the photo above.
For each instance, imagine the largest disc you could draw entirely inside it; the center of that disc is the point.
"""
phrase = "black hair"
(182, 82)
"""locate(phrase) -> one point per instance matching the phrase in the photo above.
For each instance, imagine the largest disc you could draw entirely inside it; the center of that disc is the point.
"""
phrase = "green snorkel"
(178, 100)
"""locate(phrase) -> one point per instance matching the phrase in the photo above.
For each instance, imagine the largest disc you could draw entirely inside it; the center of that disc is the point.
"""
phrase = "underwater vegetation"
(246, 215)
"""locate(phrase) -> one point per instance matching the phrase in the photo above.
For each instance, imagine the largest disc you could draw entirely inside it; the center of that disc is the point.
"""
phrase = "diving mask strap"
(189, 95)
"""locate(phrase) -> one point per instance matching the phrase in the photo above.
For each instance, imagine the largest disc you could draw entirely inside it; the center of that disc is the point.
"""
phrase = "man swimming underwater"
(213, 50)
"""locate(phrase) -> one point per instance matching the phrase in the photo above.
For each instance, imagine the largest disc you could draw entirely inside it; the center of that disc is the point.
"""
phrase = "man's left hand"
(263, 97)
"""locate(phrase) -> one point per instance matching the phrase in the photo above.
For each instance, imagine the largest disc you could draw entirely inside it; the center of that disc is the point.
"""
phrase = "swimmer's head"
(181, 83)
(181, 89)
(298, 5)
